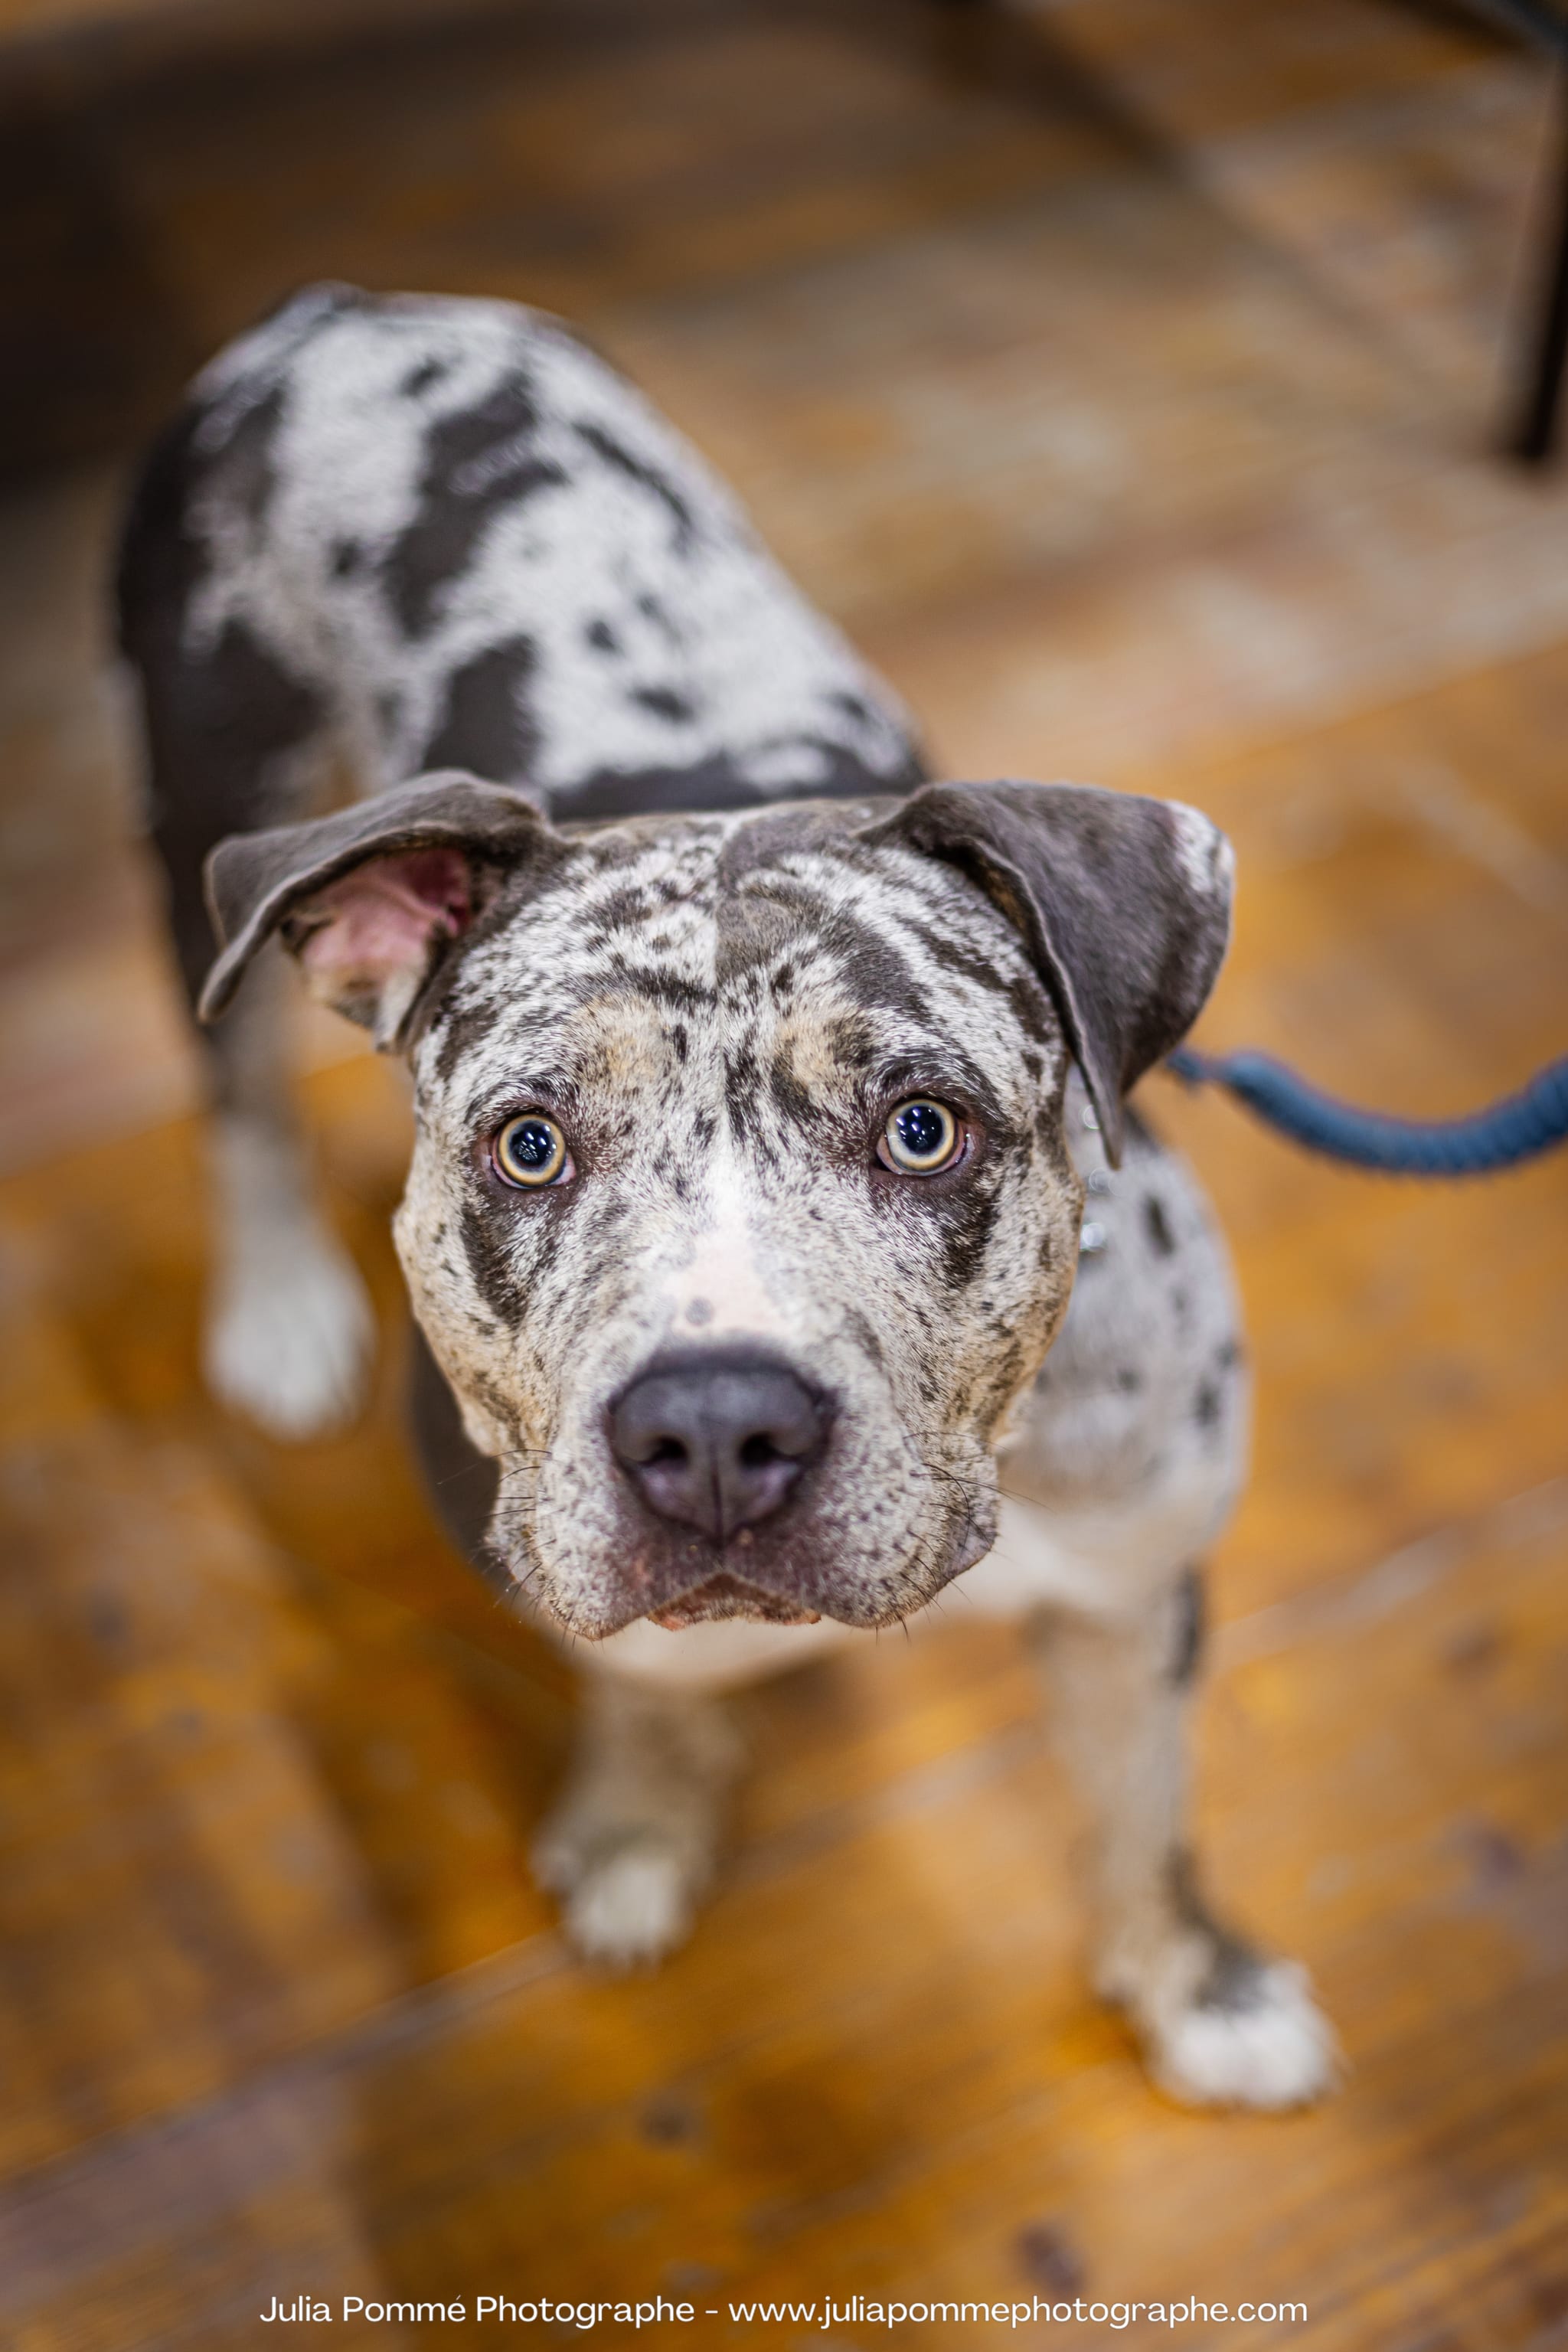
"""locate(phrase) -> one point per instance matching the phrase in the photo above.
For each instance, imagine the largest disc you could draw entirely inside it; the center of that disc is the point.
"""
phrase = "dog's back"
(449, 535)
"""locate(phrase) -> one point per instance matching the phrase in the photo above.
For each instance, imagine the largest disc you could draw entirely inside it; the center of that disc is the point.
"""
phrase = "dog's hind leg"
(1220, 2024)
(631, 1845)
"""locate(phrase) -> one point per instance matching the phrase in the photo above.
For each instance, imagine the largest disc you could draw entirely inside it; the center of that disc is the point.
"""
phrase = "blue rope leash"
(1507, 1133)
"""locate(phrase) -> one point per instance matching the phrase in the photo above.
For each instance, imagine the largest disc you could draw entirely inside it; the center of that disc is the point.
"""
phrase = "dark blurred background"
(1132, 378)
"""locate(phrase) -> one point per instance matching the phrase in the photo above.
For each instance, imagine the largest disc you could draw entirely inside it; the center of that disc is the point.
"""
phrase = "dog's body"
(757, 1092)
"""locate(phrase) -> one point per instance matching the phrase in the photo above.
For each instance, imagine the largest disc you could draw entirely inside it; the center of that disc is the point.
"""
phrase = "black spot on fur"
(489, 1263)
(665, 703)
(1033, 1006)
(1190, 1618)
(460, 1481)
(613, 453)
(620, 910)
(420, 379)
(218, 720)
(1186, 1898)
(853, 705)
(245, 472)
(831, 769)
(653, 610)
(1233, 1980)
(756, 927)
(952, 955)
(477, 463)
(973, 1222)
(602, 637)
(664, 987)
(874, 972)
(460, 1030)
(161, 558)
(862, 1332)
(217, 725)
(1206, 1406)
(1006, 1368)
(851, 1041)
(486, 725)
(347, 557)
(1157, 1225)
(794, 1100)
(741, 1079)
(715, 782)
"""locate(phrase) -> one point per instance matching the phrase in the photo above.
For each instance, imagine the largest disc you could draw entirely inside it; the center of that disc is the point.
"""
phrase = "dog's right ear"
(371, 899)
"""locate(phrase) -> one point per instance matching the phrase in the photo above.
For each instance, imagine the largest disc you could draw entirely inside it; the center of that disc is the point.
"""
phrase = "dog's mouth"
(731, 1596)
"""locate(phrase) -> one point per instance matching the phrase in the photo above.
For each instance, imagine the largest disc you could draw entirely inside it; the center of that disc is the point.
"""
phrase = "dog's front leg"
(631, 1844)
(290, 1330)
(1220, 2024)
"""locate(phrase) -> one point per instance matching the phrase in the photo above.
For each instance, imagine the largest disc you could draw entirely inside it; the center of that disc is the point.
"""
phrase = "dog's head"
(740, 1208)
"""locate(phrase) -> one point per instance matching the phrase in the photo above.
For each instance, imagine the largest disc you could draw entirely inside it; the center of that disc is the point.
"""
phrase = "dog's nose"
(716, 1441)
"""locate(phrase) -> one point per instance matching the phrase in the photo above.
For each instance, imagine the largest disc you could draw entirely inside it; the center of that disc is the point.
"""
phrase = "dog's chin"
(722, 1596)
(730, 1597)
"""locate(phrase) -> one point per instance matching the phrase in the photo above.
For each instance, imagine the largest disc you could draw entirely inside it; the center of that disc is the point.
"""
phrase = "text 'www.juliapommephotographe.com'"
(854, 2311)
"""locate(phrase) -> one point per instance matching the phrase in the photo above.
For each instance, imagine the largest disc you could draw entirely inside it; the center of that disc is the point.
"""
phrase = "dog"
(761, 1085)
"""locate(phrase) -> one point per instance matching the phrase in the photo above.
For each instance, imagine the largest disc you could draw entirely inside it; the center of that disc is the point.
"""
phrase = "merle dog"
(759, 1084)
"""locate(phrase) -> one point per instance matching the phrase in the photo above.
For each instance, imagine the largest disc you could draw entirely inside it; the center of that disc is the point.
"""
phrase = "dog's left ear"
(1124, 902)
(371, 899)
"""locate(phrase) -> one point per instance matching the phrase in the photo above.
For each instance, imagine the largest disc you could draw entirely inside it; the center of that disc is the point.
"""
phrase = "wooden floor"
(1122, 373)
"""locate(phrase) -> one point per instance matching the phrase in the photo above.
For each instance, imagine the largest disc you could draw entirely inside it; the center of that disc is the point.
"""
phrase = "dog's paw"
(1262, 2043)
(633, 1909)
(290, 1338)
(627, 1899)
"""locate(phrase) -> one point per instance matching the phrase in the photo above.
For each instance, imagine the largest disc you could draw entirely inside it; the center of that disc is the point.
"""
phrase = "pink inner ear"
(383, 916)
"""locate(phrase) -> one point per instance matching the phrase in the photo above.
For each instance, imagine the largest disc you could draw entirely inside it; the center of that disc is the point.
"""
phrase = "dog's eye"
(530, 1151)
(920, 1139)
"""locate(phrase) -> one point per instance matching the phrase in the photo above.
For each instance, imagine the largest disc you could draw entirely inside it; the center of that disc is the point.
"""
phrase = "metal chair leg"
(1536, 438)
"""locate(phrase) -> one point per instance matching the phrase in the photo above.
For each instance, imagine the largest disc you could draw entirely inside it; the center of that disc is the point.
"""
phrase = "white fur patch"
(632, 1909)
(290, 1337)
(717, 1657)
(289, 1329)
(1276, 2050)
(1206, 856)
